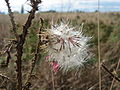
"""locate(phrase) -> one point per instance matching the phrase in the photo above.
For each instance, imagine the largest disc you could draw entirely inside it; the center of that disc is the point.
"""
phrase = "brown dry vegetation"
(86, 78)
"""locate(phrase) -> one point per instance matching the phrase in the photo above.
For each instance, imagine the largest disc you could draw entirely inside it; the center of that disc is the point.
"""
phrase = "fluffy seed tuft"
(67, 46)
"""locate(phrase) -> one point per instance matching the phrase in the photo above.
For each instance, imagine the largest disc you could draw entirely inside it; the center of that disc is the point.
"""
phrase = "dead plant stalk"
(21, 38)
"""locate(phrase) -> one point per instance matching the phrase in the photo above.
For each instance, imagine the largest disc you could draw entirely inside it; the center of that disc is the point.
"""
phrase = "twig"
(99, 53)
(36, 57)
(9, 55)
(53, 83)
(21, 42)
(118, 64)
(6, 77)
(12, 19)
(112, 75)
(103, 78)
(21, 38)
(8, 49)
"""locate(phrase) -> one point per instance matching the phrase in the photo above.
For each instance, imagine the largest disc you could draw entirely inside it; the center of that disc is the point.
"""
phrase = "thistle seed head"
(67, 46)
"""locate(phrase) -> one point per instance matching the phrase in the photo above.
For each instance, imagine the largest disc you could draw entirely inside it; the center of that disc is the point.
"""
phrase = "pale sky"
(65, 5)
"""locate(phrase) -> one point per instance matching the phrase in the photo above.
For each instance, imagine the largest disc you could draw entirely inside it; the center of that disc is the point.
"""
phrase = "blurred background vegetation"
(85, 78)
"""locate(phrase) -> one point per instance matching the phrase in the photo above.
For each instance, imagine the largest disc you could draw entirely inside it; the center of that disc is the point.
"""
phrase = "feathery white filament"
(68, 46)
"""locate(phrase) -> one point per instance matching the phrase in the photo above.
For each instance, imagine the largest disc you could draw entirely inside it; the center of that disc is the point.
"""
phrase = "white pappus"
(68, 46)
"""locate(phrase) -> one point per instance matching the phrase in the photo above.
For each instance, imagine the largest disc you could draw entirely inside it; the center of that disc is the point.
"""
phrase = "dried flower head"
(67, 46)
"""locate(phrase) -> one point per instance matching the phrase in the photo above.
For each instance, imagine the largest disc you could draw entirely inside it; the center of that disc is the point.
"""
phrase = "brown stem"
(9, 56)
(112, 75)
(37, 48)
(20, 44)
(36, 57)
(118, 64)
(7, 51)
(12, 19)
(6, 77)
(21, 38)
(20, 47)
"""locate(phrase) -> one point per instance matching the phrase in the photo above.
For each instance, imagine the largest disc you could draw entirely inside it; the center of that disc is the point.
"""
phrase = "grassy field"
(86, 78)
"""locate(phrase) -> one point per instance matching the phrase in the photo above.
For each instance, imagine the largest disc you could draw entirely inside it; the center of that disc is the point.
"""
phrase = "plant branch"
(21, 42)
(7, 51)
(118, 64)
(12, 19)
(103, 78)
(8, 55)
(36, 57)
(21, 38)
(5, 77)
(112, 75)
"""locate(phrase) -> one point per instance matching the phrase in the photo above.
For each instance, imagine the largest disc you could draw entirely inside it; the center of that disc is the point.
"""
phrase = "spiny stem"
(12, 20)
